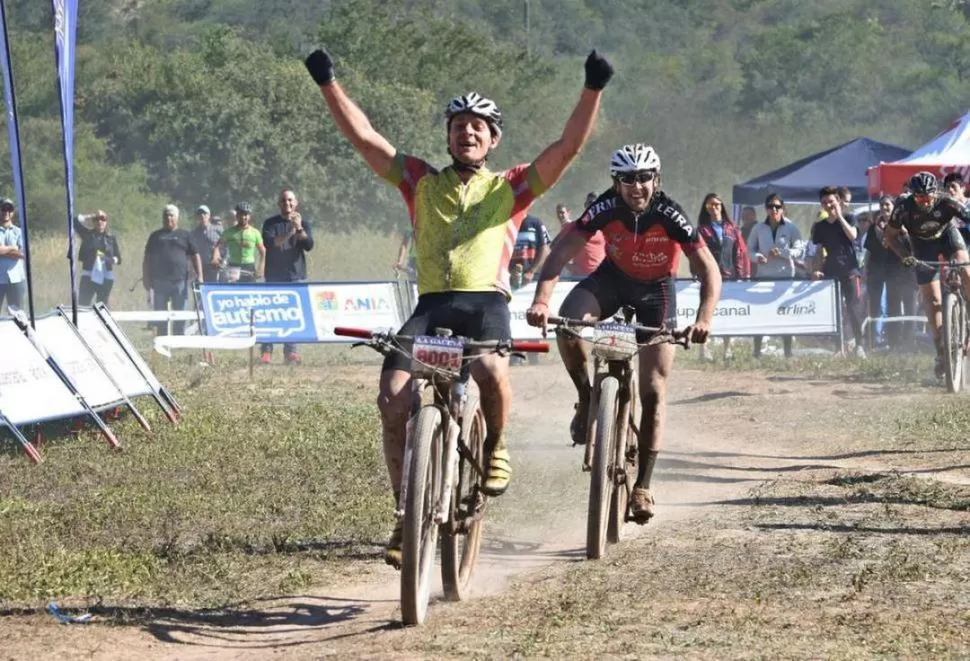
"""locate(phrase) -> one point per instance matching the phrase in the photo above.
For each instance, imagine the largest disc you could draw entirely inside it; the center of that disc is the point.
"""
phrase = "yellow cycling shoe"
(499, 473)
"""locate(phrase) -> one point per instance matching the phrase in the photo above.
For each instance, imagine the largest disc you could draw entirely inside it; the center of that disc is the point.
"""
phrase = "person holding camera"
(99, 254)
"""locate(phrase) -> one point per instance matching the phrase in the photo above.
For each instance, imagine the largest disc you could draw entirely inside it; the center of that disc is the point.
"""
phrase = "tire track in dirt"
(541, 521)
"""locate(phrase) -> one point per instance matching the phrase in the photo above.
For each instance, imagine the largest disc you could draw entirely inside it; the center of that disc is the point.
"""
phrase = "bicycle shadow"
(284, 622)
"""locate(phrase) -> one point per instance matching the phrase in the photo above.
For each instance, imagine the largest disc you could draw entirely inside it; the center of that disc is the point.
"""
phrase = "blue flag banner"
(13, 131)
(11, 118)
(65, 42)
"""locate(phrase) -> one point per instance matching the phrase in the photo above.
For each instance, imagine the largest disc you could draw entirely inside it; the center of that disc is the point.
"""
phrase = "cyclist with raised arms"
(465, 219)
(645, 232)
(928, 217)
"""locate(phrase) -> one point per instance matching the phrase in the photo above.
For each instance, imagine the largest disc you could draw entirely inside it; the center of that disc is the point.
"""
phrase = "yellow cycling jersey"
(464, 234)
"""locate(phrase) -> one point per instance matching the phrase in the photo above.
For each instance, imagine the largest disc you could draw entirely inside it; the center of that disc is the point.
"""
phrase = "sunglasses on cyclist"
(775, 207)
(630, 178)
(923, 198)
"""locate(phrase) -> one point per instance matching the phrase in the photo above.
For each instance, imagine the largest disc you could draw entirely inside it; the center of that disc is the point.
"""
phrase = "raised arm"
(556, 158)
(350, 119)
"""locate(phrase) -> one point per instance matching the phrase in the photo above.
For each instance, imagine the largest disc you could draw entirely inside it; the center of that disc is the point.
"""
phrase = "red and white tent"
(947, 152)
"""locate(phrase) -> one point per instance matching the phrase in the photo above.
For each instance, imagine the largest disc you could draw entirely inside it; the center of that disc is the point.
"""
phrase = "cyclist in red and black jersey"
(929, 219)
(645, 233)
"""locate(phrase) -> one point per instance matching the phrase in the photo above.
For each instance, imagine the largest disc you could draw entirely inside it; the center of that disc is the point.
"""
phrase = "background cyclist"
(929, 219)
(465, 218)
(645, 232)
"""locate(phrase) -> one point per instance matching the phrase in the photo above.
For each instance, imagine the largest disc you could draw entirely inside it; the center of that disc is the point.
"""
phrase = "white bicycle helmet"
(634, 158)
(476, 104)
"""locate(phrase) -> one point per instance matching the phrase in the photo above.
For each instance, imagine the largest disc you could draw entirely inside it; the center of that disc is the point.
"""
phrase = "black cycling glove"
(598, 71)
(320, 65)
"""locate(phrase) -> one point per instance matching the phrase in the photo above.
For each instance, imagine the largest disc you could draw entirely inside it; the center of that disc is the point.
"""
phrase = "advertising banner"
(300, 311)
(70, 352)
(30, 390)
(765, 307)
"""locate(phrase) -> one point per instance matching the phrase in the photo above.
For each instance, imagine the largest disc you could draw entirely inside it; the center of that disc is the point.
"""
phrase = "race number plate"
(233, 273)
(431, 353)
(613, 341)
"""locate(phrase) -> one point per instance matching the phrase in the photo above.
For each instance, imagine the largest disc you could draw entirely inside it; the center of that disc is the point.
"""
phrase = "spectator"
(835, 233)
(99, 254)
(206, 237)
(13, 272)
(531, 249)
(589, 256)
(771, 248)
(724, 240)
(287, 238)
(169, 254)
(243, 245)
(955, 187)
(406, 262)
(888, 280)
(749, 218)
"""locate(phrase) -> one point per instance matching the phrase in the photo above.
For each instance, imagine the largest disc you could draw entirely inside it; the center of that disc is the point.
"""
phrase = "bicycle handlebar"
(527, 346)
(932, 266)
(659, 334)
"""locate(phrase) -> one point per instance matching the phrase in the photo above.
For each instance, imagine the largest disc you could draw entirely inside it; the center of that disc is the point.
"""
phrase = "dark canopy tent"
(799, 182)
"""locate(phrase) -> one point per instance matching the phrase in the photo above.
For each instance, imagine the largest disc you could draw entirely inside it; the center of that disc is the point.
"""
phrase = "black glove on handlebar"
(598, 71)
(320, 65)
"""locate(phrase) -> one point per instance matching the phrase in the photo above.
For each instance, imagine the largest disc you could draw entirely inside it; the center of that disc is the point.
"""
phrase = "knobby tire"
(420, 531)
(601, 482)
(954, 318)
(459, 551)
(620, 501)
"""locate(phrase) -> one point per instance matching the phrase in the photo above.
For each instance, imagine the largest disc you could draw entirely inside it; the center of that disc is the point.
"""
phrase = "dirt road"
(744, 452)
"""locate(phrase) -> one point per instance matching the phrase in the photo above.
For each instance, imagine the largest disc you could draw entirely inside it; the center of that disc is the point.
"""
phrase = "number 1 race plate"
(431, 353)
(613, 341)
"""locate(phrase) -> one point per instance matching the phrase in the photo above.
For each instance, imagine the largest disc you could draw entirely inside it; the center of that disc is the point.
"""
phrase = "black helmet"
(923, 183)
(244, 207)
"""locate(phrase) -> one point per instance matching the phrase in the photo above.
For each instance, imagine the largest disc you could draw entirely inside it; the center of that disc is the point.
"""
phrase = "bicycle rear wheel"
(461, 537)
(954, 331)
(420, 530)
(601, 482)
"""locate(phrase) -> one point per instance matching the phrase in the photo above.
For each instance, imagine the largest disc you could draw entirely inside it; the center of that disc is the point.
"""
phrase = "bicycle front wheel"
(420, 530)
(954, 320)
(601, 482)
(461, 536)
(625, 460)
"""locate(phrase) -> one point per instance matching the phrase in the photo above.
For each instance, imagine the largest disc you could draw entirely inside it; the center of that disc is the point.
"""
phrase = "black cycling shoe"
(577, 428)
(939, 368)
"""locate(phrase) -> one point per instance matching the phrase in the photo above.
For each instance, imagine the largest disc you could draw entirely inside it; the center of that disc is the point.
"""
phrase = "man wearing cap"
(288, 238)
(243, 245)
(99, 254)
(169, 254)
(206, 237)
(13, 273)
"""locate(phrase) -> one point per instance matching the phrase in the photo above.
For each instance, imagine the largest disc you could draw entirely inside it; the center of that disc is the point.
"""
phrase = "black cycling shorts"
(477, 315)
(655, 302)
(932, 250)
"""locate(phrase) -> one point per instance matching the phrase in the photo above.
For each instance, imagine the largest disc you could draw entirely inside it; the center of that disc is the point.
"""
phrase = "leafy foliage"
(207, 101)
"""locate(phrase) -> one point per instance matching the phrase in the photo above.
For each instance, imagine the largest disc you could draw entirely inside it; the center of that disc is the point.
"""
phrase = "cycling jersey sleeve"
(678, 227)
(597, 214)
(405, 174)
(526, 188)
(896, 220)
(953, 209)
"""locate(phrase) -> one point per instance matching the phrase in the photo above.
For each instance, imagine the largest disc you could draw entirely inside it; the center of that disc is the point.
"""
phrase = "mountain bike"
(444, 460)
(612, 428)
(956, 329)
